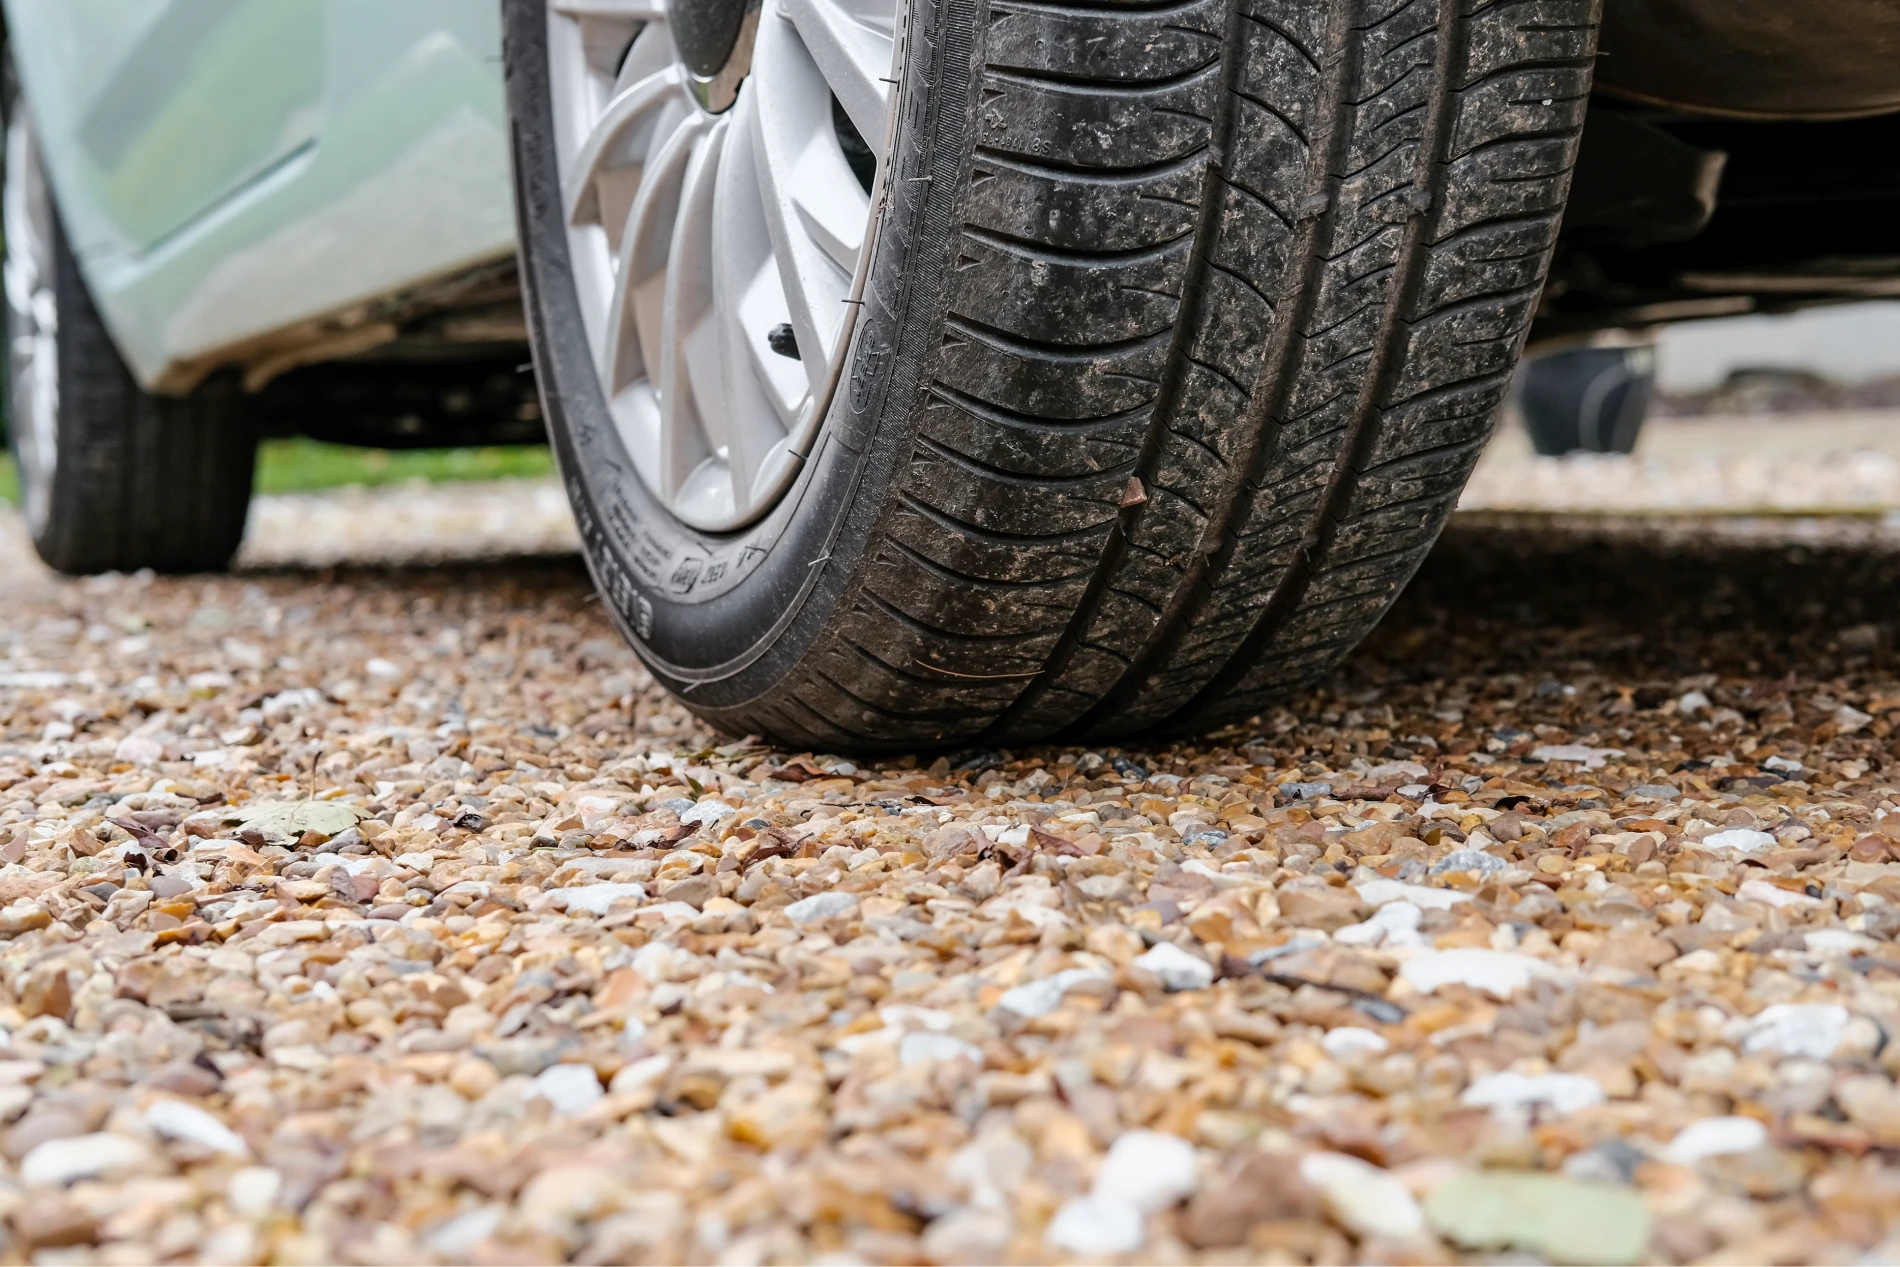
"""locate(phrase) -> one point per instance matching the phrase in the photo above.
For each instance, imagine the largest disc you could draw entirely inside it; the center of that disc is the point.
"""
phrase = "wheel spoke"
(765, 391)
(691, 408)
(832, 211)
(612, 142)
(804, 181)
(639, 303)
(853, 55)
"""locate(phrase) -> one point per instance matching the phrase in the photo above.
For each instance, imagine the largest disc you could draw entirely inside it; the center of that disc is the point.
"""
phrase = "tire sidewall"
(723, 619)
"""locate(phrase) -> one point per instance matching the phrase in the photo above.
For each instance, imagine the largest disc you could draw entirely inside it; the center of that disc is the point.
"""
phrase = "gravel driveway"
(359, 915)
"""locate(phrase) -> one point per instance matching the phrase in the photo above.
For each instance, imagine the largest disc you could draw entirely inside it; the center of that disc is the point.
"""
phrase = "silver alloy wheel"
(33, 334)
(719, 256)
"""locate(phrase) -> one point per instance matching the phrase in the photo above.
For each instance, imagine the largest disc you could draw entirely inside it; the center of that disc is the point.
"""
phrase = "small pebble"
(1475, 861)
(253, 1191)
(1349, 1042)
(1498, 973)
(176, 1120)
(1361, 1197)
(1741, 839)
(1560, 1092)
(1177, 969)
(597, 899)
(707, 811)
(925, 1048)
(1715, 1137)
(1093, 1225)
(1580, 754)
(1038, 998)
(1813, 1030)
(1149, 1170)
(81, 1157)
(1383, 892)
(1392, 925)
(456, 1238)
(820, 906)
(569, 1088)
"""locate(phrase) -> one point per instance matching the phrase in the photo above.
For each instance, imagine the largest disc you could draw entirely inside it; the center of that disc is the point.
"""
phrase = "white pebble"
(139, 750)
(1563, 1092)
(1797, 1029)
(910, 1016)
(1745, 839)
(1385, 892)
(1498, 973)
(174, 1119)
(1361, 1197)
(1850, 719)
(82, 1157)
(672, 912)
(641, 1073)
(658, 961)
(1768, 895)
(1177, 969)
(1476, 861)
(707, 812)
(292, 700)
(1715, 1137)
(1150, 1170)
(1581, 754)
(925, 1048)
(253, 1191)
(1394, 924)
(820, 906)
(1039, 998)
(1349, 1042)
(1093, 1226)
(597, 899)
(456, 1238)
(569, 1088)
(1837, 943)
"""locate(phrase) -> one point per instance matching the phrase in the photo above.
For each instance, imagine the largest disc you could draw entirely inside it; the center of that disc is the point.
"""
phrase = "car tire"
(1586, 400)
(1182, 328)
(112, 478)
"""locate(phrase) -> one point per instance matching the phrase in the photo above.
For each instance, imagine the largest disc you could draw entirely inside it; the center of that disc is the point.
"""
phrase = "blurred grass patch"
(299, 465)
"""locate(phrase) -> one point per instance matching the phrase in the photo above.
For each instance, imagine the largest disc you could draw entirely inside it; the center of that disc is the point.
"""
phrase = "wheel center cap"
(714, 41)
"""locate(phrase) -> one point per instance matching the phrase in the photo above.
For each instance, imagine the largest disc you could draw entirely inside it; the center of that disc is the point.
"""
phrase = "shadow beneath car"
(1647, 602)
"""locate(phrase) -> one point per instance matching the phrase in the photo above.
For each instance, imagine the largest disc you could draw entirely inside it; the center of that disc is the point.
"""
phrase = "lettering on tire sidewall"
(638, 565)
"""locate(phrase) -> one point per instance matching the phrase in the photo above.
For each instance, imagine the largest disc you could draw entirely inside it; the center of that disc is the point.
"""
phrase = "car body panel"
(1754, 59)
(241, 176)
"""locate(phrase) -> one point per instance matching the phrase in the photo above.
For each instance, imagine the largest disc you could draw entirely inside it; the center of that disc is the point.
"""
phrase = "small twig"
(974, 677)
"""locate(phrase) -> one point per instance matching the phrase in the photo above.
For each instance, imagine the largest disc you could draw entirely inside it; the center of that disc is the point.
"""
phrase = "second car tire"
(1586, 400)
(1183, 327)
(112, 478)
